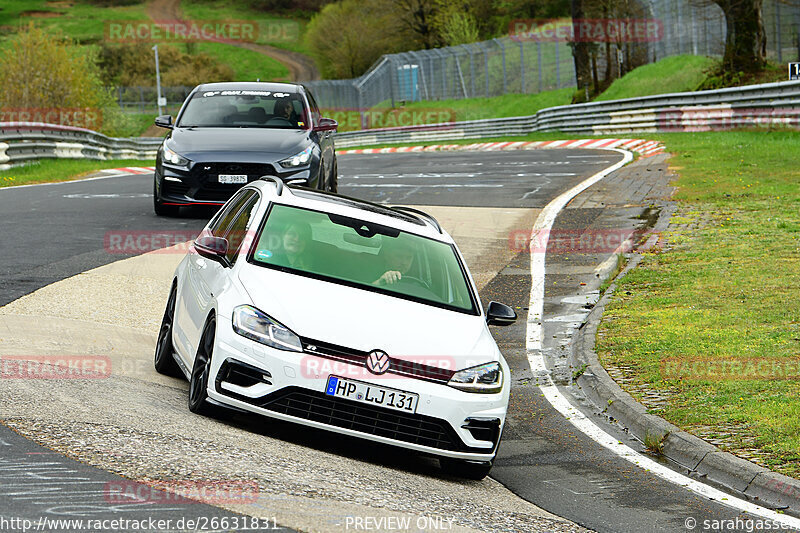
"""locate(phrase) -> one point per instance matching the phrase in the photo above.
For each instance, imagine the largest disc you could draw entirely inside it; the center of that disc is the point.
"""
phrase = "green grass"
(726, 291)
(509, 105)
(82, 21)
(53, 170)
(247, 65)
(281, 32)
(671, 75)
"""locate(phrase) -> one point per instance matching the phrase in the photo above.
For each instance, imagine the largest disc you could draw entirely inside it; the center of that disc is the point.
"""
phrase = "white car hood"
(365, 320)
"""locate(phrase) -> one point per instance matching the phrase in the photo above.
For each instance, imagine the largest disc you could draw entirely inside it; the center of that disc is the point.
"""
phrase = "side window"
(222, 221)
(315, 114)
(237, 232)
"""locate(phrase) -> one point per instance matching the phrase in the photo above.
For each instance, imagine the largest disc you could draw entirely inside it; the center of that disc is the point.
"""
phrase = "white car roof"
(425, 226)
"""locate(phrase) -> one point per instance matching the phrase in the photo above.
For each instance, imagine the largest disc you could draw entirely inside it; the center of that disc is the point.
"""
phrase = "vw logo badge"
(378, 362)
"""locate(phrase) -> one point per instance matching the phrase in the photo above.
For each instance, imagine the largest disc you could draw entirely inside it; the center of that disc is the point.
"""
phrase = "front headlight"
(174, 158)
(251, 323)
(487, 378)
(299, 159)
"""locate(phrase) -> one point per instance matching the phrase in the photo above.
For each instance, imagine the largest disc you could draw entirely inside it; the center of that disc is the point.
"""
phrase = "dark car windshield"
(365, 255)
(243, 109)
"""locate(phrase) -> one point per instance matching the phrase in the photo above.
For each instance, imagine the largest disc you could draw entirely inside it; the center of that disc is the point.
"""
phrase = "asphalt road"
(52, 232)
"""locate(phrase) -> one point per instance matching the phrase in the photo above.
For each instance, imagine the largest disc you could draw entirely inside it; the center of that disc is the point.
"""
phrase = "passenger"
(398, 259)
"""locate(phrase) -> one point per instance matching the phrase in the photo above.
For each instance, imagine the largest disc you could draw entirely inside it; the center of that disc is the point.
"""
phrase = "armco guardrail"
(21, 142)
(771, 104)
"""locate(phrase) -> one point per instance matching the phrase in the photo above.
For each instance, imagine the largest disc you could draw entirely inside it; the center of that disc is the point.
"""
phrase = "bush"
(133, 65)
(42, 70)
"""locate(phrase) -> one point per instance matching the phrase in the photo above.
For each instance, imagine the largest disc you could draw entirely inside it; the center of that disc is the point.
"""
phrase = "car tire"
(162, 210)
(334, 181)
(475, 470)
(198, 381)
(164, 361)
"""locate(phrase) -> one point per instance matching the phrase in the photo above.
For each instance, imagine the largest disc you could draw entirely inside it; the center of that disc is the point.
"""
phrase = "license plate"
(372, 394)
(233, 178)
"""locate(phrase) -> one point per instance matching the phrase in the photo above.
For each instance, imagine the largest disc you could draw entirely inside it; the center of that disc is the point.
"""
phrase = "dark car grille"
(398, 366)
(347, 414)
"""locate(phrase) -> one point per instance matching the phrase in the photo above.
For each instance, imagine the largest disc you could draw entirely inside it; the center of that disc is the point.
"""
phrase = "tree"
(580, 50)
(746, 41)
(458, 28)
(347, 37)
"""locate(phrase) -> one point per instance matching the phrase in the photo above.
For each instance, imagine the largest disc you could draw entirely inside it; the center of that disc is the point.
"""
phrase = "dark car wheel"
(164, 360)
(161, 209)
(198, 382)
(476, 470)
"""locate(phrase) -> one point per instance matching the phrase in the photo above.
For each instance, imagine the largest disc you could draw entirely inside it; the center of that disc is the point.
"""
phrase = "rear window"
(363, 254)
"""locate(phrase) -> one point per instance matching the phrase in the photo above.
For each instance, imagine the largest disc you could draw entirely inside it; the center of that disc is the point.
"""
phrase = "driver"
(398, 258)
(284, 109)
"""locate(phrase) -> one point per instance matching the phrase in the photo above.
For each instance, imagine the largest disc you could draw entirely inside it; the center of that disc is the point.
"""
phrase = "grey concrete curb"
(692, 455)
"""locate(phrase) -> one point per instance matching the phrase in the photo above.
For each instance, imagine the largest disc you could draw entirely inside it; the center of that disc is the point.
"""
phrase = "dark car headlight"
(297, 160)
(174, 158)
(251, 323)
(487, 378)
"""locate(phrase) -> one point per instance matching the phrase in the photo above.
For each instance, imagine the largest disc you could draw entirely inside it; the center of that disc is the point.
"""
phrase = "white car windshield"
(363, 254)
(244, 109)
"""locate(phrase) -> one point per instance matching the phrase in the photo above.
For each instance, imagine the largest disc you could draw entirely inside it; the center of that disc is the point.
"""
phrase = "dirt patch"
(60, 4)
(40, 14)
(301, 67)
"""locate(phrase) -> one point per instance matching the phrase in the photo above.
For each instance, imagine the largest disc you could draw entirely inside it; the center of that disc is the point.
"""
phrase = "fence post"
(471, 71)
(558, 68)
(539, 58)
(778, 40)
(503, 51)
(521, 67)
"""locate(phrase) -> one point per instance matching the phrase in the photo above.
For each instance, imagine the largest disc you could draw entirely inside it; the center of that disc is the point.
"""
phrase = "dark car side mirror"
(212, 247)
(499, 314)
(326, 124)
(164, 121)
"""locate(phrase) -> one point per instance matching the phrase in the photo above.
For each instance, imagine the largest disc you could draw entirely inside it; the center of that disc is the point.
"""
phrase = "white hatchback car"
(339, 314)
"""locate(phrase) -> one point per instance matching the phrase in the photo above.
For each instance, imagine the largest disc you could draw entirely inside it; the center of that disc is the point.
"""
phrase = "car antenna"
(278, 183)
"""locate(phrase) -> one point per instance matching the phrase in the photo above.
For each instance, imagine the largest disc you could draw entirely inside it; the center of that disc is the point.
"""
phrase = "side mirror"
(164, 121)
(212, 247)
(500, 314)
(326, 124)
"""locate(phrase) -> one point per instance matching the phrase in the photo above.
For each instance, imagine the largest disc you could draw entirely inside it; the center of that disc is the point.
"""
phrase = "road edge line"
(534, 337)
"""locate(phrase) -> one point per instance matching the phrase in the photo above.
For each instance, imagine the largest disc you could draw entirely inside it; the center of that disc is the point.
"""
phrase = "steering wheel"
(414, 280)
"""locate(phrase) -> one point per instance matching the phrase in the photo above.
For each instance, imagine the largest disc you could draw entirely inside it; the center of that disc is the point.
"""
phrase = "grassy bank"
(53, 170)
(671, 75)
(712, 323)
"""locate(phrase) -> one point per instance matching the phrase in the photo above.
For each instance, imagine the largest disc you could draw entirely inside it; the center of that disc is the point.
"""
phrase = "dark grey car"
(229, 134)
